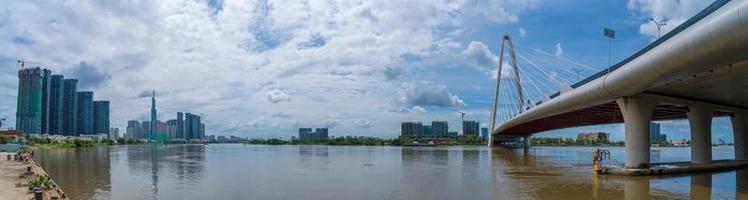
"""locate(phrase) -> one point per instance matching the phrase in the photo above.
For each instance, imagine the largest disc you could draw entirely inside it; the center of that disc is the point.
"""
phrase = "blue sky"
(266, 68)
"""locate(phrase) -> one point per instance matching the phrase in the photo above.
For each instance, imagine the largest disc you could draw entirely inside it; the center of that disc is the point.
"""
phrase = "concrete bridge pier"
(700, 121)
(526, 140)
(637, 113)
(739, 128)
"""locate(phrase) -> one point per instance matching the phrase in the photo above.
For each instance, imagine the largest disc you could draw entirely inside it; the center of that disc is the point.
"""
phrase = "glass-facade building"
(51, 104)
(101, 116)
(29, 106)
(56, 90)
(70, 107)
(85, 113)
(192, 126)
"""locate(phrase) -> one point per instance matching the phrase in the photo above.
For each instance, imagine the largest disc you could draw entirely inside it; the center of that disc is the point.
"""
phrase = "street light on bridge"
(659, 25)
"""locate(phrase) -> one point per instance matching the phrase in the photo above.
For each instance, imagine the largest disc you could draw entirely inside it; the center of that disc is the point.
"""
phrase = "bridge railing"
(688, 23)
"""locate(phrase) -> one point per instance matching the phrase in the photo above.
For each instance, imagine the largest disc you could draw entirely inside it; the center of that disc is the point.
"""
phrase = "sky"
(262, 69)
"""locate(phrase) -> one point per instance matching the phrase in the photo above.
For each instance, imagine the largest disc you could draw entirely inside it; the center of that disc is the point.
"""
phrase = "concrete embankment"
(673, 168)
(14, 173)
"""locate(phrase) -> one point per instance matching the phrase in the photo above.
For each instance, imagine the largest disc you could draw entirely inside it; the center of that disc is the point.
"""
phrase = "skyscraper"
(85, 113)
(145, 129)
(192, 126)
(101, 117)
(171, 128)
(180, 126)
(152, 133)
(45, 101)
(70, 107)
(56, 90)
(29, 106)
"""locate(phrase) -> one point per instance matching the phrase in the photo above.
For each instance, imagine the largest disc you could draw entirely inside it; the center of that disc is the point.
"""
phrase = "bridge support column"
(637, 112)
(527, 141)
(700, 121)
(740, 132)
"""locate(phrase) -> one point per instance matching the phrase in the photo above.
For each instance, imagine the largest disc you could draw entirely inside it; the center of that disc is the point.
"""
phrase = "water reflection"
(311, 172)
(741, 184)
(84, 172)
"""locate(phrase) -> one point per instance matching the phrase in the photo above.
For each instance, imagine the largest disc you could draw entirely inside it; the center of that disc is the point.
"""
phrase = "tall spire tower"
(152, 133)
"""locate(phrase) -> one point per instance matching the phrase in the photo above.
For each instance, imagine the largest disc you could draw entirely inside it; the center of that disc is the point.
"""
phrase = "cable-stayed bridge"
(697, 71)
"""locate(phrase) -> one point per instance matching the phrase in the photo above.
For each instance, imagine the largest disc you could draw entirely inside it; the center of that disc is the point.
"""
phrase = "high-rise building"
(484, 133)
(428, 132)
(411, 129)
(70, 107)
(319, 134)
(56, 90)
(171, 128)
(160, 129)
(192, 126)
(46, 75)
(201, 135)
(101, 116)
(146, 129)
(654, 133)
(180, 125)
(134, 129)
(29, 104)
(470, 128)
(439, 128)
(152, 132)
(85, 114)
(305, 133)
(113, 133)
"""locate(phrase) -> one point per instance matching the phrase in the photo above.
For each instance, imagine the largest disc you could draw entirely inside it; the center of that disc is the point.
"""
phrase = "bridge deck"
(606, 113)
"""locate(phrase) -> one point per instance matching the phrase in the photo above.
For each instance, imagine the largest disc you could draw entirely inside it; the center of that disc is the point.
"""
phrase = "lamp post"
(659, 26)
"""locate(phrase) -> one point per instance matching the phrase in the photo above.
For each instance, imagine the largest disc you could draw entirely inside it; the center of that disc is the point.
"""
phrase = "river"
(235, 171)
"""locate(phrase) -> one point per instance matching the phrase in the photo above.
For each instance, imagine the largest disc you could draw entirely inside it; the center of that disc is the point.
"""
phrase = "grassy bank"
(45, 143)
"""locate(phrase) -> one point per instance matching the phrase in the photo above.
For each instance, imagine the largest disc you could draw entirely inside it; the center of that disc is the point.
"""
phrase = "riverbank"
(13, 174)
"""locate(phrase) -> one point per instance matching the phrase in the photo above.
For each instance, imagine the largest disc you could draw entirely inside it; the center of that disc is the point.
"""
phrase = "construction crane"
(23, 63)
(462, 114)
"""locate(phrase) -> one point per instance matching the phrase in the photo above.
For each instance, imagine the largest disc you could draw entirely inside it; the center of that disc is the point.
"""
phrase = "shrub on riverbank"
(42, 182)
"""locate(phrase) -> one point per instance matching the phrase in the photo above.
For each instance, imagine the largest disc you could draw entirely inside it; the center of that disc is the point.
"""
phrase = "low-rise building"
(592, 137)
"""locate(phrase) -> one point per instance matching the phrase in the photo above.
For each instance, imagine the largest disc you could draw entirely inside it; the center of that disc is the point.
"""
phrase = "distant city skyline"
(357, 71)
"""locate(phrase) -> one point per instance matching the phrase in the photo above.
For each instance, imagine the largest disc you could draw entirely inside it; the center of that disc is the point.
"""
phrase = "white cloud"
(670, 12)
(418, 110)
(330, 123)
(422, 93)
(559, 50)
(478, 56)
(500, 11)
(275, 96)
(362, 123)
(241, 62)
(522, 32)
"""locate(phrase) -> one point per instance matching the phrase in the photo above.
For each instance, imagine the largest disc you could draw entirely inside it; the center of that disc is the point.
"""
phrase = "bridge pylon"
(506, 40)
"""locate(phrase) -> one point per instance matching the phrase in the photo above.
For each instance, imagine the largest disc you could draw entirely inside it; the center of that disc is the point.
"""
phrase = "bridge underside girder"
(606, 113)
